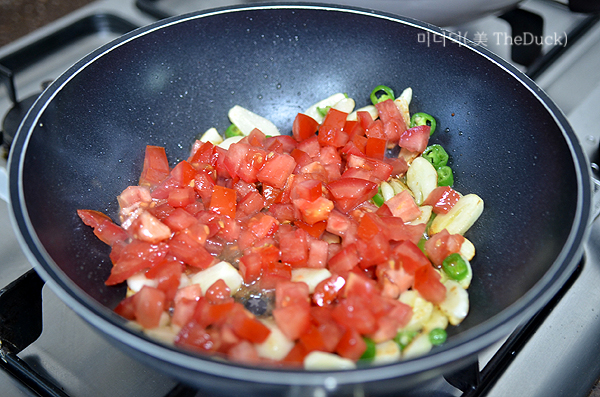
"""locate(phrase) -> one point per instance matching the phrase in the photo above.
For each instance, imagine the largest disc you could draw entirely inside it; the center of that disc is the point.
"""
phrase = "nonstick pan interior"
(84, 141)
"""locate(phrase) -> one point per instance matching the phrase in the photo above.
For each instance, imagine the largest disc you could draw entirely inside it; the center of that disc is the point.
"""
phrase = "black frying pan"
(83, 142)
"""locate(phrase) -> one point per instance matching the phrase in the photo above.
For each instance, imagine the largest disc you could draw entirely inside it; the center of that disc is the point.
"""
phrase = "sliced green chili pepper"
(423, 119)
(403, 338)
(369, 354)
(436, 155)
(421, 244)
(232, 130)
(323, 111)
(378, 199)
(455, 267)
(445, 177)
(387, 94)
(437, 336)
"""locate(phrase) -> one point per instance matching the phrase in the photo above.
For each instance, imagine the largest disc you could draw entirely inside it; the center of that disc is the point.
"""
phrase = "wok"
(83, 143)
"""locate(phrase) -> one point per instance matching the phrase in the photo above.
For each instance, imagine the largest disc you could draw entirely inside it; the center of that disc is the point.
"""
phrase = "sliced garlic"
(403, 102)
(456, 304)
(419, 346)
(387, 352)
(212, 135)
(372, 110)
(313, 111)
(426, 211)
(436, 320)
(138, 280)
(346, 105)
(467, 250)
(421, 309)
(321, 361)
(246, 121)
(230, 141)
(276, 346)
(387, 191)
(222, 270)
(309, 276)
(421, 178)
(461, 217)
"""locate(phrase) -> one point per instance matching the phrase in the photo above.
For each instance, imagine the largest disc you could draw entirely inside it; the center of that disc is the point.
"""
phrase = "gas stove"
(553, 354)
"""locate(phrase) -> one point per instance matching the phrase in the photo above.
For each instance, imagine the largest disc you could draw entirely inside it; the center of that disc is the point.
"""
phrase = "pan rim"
(468, 342)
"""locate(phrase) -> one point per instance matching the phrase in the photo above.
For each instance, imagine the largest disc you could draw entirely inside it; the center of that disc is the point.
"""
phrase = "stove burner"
(13, 118)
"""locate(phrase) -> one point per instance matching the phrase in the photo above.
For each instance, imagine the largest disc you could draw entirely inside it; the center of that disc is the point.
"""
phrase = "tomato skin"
(223, 201)
(181, 197)
(402, 205)
(327, 290)
(276, 170)
(185, 247)
(427, 282)
(104, 228)
(135, 257)
(351, 345)
(149, 305)
(442, 244)
(442, 199)
(410, 257)
(156, 166)
(350, 192)
(304, 127)
(415, 139)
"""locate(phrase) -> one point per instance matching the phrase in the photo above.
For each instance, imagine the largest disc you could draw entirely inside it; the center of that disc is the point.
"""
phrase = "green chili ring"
(455, 267)
(445, 177)
(232, 130)
(436, 155)
(423, 119)
(388, 94)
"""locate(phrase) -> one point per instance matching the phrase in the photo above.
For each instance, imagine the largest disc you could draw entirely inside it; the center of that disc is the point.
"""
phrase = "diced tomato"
(350, 192)
(149, 305)
(344, 261)
(374, 251)
(223, 201)
(168, 275)
(351, 345)
(376, 130)
(415, 139)
(375, 148)
(194, 336)
(399, 166)
(301, 159)
(427, 282)
(327, 290)
(147, 227)
(250, 204)
(293, 245)
(403, 206)
(256, 138)
(293, 321)
(394, 318)
(304, 127)
(243, 352)
(442, 199)
(274, 273)
(315, 230)
(313, 339)
(135, 257)
(126, 309)
(134, 197)
(370, 225)
(317, 253)
(202, 153)
(156, 166)
(442, 244)
(310, 146)
(285, 142)
(203, 185)
(276, 170)
(410, 257)
(185, 247)
(104, 228)
(181, 197)
(179, 219)
(251, 267)
(296, 355)
(397, 230)
(314, 211)
(218, 293)
(183, 173)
